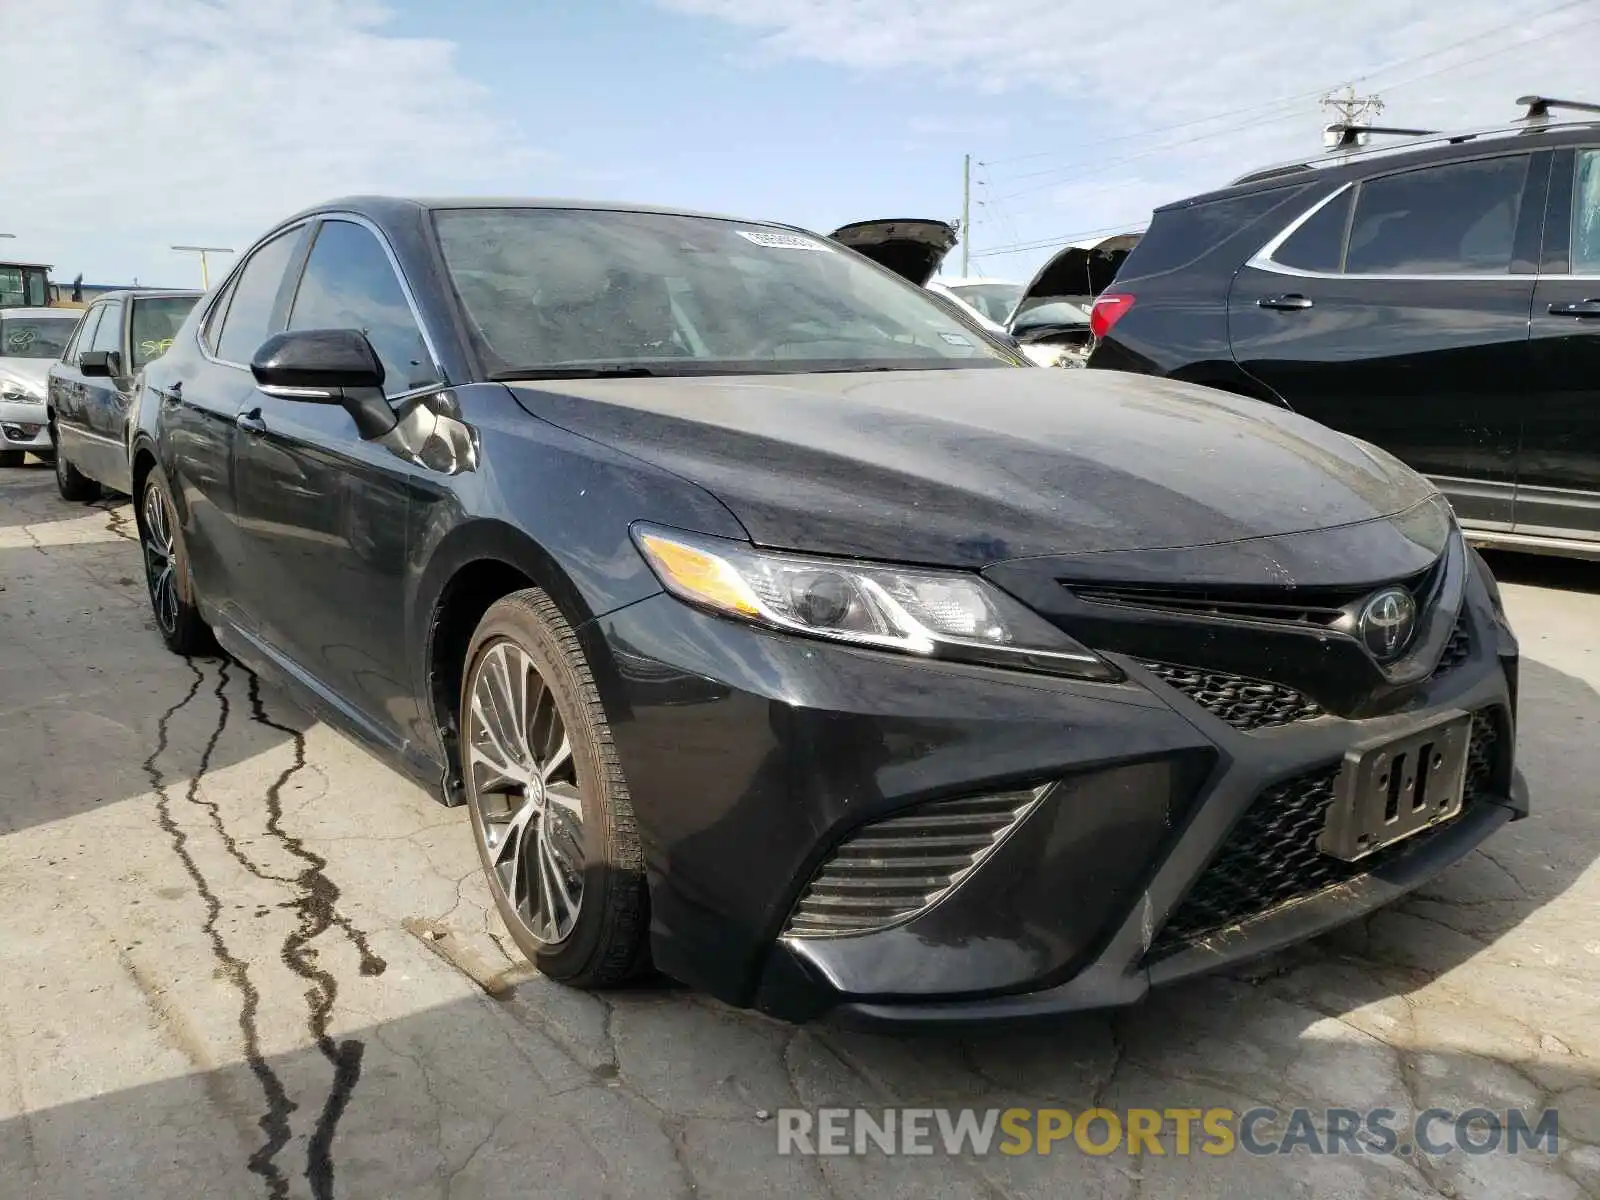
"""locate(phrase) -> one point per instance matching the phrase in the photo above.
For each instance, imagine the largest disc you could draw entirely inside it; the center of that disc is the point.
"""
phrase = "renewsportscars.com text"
(1155, 1131)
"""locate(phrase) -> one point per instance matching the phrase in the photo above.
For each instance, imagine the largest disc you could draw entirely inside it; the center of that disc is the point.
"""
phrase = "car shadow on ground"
(1544, 570)
(89, 694)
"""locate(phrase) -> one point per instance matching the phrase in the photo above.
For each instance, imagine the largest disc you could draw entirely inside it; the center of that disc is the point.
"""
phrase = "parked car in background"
(991, 301)
(30, 340)
(89, 387)
(914, 248)
(1051, 319)
(1387, 292)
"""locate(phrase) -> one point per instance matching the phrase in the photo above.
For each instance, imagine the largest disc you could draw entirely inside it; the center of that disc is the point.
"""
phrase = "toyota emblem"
(1386, 623)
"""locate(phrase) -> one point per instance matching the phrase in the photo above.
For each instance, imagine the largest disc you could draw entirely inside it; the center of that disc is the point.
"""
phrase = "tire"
(166, 568)
(72, 483)
(12, 458)
(604, 942)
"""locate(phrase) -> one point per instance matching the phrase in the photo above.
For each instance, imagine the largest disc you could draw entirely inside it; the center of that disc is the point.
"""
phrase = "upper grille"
(1271, 856)
(890, 870)
(1246, 704)
(1458, 649)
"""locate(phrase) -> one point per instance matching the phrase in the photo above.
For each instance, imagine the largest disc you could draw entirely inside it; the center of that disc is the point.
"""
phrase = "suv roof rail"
(1350, 135)
(1539, 106)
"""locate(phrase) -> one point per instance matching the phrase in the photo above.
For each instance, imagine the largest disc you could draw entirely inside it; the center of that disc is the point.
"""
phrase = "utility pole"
(1350, 108)
(202, 251)
(966, 210)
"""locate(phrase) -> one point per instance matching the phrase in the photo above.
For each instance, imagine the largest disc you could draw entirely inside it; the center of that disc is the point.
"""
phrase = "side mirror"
(96, 364)
(327, 366)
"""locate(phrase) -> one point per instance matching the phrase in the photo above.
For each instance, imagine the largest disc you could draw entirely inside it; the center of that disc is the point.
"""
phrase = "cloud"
(1140, 103)
(203, 121)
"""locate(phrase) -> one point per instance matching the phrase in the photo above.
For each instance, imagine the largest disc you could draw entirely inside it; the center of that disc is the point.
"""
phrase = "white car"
(30, 340)
(1051, 318)
(990, 301)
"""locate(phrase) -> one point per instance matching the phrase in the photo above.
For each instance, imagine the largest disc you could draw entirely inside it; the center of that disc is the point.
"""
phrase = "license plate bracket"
(1395, 786)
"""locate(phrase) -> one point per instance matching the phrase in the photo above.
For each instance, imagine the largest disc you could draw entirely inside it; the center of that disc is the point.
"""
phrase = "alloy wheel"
(523, 783)
(159, 566)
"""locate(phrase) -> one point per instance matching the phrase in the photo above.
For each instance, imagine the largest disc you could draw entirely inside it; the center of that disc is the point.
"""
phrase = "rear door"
(1396, 310)
(1558, 468)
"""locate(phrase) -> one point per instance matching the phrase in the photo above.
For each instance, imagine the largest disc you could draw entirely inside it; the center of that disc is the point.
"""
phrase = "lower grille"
(1246, 704)
(890, 870)
(1271, 857)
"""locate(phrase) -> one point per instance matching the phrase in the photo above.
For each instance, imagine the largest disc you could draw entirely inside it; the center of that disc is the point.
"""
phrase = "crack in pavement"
(274, 1123)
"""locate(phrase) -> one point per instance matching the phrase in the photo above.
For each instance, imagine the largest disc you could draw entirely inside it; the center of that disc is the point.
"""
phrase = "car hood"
(971, 466)
(912, 248)
(1080, 271)
(33, 373)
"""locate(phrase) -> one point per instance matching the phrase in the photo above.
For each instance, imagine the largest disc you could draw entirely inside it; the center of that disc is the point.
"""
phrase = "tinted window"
(571, 288)
(34, 337)
(1178, 236)
(1318, 245)
(1443, 220)
(349, 283)
(248, 320)
(1586, 214)
(91, 319)
(108, 335)
(156, 320)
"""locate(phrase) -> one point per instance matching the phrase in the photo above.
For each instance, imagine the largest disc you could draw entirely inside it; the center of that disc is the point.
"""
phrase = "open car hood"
(1080, 271)
(912, 247)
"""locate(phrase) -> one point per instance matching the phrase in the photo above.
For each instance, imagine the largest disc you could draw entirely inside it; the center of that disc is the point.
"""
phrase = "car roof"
(39, 311)
(145, 293)
(379, 208)
(1421, 149)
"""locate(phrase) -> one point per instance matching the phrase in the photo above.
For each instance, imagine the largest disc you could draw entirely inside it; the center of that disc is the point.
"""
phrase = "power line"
(1315, 92)
(1066, 239)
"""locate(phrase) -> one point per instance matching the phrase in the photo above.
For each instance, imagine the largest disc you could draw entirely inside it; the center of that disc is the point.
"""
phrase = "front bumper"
(752, 757)
(23, 427)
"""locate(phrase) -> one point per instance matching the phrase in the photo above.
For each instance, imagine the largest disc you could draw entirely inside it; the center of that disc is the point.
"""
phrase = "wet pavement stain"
(117, 520)
(274, 1122)
(318, 913)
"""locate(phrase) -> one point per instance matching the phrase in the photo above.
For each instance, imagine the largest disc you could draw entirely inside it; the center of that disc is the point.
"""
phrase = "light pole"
(202, 251)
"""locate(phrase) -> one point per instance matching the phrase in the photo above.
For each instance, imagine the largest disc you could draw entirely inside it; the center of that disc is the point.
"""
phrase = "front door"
(1558, 470)
(323, 514)
(1397, 311)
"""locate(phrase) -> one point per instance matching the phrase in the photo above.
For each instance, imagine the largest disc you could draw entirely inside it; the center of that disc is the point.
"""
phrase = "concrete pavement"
(240, 958)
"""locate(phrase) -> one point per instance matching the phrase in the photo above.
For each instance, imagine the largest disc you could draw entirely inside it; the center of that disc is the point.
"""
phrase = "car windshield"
(993, 300)
(35, 337)
(1055, 313)
(577, 290)
(156, 320)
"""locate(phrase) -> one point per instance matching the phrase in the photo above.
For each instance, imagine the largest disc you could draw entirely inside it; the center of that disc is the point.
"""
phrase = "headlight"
(934, 614)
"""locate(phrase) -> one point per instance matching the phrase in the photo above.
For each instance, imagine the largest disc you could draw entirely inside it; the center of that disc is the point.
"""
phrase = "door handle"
(1583, 308)
(251, 421)
(1293, 301)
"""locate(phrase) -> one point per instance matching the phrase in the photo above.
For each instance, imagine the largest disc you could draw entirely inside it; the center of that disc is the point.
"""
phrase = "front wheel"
(166, 571)
(72, 483)
(550, 808)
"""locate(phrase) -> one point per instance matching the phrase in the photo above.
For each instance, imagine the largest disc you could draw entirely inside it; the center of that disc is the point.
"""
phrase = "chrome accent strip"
(1531, 543)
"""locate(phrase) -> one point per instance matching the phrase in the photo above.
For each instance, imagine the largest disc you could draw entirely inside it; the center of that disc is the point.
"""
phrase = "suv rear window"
(1178, 236)
(1446, 220)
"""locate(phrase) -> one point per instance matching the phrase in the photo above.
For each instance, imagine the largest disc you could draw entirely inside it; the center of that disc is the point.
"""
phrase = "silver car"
(30, 340)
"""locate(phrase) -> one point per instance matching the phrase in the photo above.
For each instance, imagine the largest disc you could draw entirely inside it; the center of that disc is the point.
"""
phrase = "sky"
(128, 126)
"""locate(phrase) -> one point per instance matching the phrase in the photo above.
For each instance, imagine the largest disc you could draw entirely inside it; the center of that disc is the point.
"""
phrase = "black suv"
(1438, 297)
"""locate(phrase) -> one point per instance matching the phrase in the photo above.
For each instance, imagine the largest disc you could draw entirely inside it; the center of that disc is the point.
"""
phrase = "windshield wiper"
(617, 371)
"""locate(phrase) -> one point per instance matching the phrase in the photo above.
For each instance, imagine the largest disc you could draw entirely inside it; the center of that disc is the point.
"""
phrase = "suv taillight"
(1108, 309)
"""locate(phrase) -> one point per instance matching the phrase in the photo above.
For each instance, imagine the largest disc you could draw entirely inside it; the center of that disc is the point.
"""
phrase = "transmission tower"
(1349, 108)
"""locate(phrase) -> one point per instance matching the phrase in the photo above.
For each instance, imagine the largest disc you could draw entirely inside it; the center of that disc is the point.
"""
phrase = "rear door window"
(249, 319)
(1318, 245)
(1586, 214)
(1448, 220)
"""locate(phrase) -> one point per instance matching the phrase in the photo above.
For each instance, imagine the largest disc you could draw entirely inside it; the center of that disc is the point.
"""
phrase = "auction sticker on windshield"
(776, 240)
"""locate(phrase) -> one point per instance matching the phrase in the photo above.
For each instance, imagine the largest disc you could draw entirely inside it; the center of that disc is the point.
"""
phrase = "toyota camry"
(781, 632)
